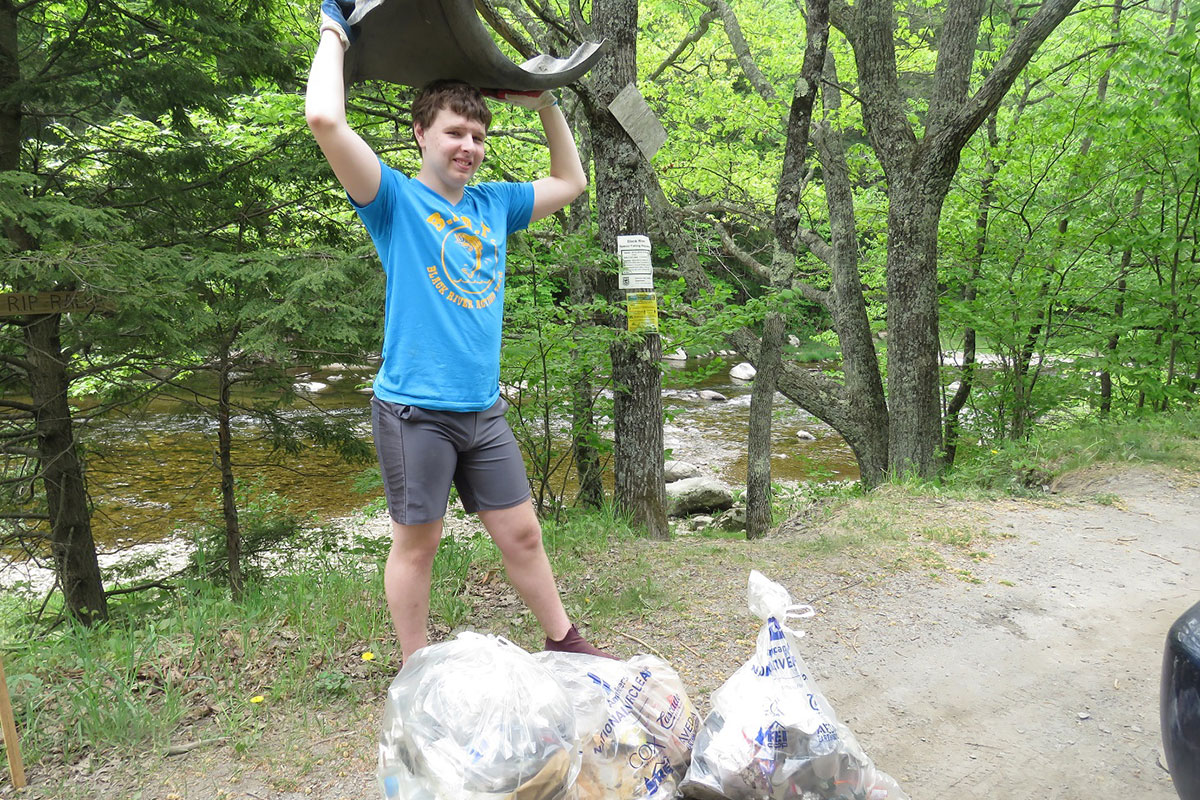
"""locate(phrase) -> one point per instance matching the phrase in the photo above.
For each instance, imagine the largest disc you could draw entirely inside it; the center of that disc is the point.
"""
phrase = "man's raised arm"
(352, 159)
(567, 178)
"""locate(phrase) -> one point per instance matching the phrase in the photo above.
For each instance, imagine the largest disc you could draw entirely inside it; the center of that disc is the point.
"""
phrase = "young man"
(437, 413)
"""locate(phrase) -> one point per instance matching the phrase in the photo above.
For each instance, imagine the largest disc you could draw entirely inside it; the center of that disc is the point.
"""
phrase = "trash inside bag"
(771, 733)
(477, 718)
(635, 723)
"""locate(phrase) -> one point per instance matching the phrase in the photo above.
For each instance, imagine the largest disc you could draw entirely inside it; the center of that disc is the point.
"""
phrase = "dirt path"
(1043, 680)
(1028, 672)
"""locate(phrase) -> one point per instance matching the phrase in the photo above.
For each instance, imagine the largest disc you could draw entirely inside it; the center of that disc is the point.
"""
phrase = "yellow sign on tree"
(641, 310)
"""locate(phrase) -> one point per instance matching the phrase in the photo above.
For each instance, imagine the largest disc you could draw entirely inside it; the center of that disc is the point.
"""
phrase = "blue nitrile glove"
(334, 14)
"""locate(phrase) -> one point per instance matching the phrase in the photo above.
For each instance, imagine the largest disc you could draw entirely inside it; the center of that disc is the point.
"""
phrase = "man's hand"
(334, 14)
(531, 100)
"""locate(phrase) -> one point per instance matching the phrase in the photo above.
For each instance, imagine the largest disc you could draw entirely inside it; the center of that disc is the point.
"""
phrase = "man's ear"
(419, 135)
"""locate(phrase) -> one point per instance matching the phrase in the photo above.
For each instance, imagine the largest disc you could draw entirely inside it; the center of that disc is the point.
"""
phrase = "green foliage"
(451, 573)
(1086, 267)
(268, 525)
(551, 347)
(1030, 466)
(130, 683)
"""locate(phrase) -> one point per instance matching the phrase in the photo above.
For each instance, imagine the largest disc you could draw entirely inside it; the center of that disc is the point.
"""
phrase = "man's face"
(452, 147)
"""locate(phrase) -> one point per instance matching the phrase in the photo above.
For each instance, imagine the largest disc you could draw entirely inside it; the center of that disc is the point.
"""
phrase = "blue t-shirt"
(445, 288)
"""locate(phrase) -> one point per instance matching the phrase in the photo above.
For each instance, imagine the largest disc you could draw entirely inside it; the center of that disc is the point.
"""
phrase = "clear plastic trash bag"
(477, 718)
(635, 721)
(771, 733)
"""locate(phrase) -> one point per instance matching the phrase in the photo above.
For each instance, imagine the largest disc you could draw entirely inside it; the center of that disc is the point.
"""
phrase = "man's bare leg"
(406, 581)
(518, 534)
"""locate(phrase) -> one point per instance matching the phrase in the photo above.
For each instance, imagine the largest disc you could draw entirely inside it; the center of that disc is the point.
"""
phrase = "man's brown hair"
(461, 98)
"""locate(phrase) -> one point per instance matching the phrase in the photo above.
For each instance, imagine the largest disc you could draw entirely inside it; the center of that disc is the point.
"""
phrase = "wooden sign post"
(9, 725)
(22, 304)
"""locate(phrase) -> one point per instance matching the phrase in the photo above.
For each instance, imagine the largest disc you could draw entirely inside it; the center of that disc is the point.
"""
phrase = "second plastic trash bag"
(771, 734)
(477, 718)
(635, 723)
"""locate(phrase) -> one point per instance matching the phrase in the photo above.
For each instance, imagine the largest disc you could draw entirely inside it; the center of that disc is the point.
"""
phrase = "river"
(152, 475)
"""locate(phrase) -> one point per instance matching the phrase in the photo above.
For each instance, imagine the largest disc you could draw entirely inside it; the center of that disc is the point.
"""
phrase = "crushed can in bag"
(771, 734)
(635, 722)
(477, 718)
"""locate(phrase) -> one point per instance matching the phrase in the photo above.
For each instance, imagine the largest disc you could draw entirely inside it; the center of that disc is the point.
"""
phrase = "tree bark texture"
(915, 436)
(620, 202)
(758, 449)
(866, 407)
(11, 113)
(799, 126)
(10, 74)
(71, 542)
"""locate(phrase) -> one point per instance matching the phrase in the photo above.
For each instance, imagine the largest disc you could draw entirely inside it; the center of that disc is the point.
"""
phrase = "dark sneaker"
(574, 643)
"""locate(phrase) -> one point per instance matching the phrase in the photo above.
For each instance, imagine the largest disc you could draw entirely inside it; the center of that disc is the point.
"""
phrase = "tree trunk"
(74, 549)
(867, 425)
(233, 533)
(620, 200)
(915, 436)
(11, 114)
(758, 463)
(638, 449)
(918, 174)
(10, 74)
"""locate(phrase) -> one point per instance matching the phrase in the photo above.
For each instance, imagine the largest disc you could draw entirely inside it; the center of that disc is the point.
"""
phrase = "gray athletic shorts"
(421, 451)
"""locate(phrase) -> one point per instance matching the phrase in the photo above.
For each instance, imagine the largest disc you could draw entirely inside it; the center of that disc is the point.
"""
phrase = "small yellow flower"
(368, 656)
(994, 452)
(258, 698)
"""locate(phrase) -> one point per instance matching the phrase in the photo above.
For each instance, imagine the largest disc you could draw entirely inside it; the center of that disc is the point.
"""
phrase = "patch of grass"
(601, 573)
(1169, 439)
(898, 529)
(954, 537)
(129, 683)
(296, 639)
(585, 531)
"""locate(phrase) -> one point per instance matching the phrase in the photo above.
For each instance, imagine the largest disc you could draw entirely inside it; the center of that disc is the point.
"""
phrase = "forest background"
(986, 213)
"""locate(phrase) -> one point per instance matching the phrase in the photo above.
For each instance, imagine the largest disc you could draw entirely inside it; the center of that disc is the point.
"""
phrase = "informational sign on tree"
(637, 271)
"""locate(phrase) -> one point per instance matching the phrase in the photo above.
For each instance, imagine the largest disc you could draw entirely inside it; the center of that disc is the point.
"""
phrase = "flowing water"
(151, 476)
